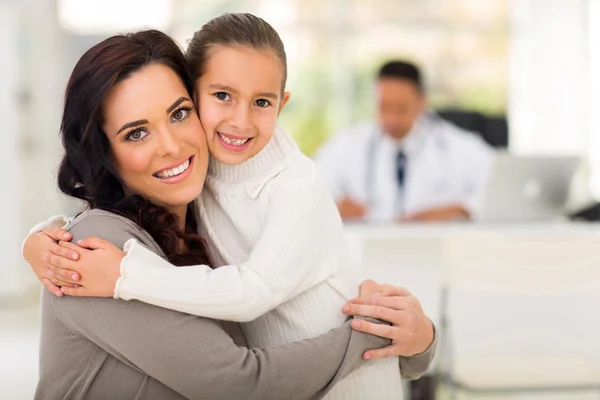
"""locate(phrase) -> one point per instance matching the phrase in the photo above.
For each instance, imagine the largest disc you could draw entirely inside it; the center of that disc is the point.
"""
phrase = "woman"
(128, 118)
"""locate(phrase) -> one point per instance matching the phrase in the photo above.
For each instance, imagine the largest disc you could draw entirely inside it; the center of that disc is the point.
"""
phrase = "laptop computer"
(528, 188)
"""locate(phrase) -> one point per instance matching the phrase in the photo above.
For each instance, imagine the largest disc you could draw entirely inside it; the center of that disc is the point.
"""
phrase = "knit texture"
(287, 270)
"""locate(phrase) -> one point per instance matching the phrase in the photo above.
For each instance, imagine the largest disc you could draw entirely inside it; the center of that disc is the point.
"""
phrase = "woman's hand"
(96, 271)
(411, 331)
(36, 249)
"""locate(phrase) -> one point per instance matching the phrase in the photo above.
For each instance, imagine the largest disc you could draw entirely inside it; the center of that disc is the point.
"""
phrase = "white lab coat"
(445, 166)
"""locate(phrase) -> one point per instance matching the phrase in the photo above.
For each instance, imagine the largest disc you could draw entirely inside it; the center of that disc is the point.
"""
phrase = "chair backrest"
(493, 129)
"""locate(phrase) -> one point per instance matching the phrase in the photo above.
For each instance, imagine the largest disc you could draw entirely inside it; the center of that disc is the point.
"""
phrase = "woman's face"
(158, 145)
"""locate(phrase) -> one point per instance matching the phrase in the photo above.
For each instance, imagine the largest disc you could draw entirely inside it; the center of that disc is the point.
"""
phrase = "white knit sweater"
(286, 268)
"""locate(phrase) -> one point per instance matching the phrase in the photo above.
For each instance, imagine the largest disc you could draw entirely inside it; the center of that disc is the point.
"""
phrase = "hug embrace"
(210, 261)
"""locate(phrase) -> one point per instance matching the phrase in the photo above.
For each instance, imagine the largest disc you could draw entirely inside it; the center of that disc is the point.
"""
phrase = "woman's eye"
(262, 103)
(136, 135)
(181, 114)
(222, 96)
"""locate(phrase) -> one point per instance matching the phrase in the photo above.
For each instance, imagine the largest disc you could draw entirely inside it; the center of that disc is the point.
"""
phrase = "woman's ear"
(284, 100)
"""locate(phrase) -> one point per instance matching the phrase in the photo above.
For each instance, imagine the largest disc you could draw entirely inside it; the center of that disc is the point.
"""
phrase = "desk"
(411, 256)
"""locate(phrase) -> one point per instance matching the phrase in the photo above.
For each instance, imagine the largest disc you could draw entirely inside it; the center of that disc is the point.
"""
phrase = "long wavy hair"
(87, 171)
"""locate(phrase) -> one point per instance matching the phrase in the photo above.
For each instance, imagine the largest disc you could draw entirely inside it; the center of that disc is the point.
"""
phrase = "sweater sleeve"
(195, 356)
(55, 221)
(298, 248)
(415, 366)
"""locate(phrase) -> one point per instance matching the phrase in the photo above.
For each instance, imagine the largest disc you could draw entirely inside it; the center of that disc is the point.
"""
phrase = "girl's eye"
(222, 96)
(181, 114)
(262, 103)
(136, 135)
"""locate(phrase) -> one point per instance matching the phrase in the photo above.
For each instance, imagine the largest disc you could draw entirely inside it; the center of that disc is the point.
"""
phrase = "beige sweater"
(101, 348)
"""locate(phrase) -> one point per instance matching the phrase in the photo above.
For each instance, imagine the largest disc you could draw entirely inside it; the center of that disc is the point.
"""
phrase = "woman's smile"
(177, 173)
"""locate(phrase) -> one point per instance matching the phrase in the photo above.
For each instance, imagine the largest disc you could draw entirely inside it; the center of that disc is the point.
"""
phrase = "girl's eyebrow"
(270, 95)
(218, 86)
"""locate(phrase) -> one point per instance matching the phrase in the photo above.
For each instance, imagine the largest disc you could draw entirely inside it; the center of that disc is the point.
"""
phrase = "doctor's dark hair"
(239, 29)
(397, 69)
(87, 170)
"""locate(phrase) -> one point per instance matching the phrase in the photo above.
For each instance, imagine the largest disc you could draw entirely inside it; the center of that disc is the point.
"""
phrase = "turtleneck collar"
(272, 156)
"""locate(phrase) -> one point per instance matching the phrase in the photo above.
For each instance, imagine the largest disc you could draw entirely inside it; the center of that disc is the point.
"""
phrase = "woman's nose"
(169, 143)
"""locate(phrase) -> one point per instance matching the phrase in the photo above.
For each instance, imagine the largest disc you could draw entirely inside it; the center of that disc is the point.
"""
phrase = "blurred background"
(531, 67)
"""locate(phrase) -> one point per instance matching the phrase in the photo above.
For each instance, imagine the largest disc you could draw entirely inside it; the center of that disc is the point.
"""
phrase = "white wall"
(44, 79)
(32, 47)
(9, 153)
(549, 76)
(594, 116)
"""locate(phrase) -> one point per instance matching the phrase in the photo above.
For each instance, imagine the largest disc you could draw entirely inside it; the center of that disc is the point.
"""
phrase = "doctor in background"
(409, 165)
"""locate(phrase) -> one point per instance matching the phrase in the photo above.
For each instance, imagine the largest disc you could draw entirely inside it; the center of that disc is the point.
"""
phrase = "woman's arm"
(194, 356)
(413, 367)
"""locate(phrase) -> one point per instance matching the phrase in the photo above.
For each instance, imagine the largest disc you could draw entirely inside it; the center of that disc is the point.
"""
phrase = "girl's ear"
(284, 100)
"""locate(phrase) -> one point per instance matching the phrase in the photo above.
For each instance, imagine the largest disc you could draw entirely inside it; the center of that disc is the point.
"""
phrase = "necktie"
(400, 168)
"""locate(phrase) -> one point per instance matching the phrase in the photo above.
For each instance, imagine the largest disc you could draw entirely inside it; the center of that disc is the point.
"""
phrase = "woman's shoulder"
(96, 218)
(111, 227)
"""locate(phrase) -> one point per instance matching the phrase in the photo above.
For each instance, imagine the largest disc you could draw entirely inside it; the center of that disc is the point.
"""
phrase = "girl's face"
(156, 139)
(239, 99)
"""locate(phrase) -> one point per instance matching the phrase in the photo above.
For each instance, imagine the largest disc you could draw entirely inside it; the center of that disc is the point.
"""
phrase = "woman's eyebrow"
(132, 124)
(176, 103)
(145, 121)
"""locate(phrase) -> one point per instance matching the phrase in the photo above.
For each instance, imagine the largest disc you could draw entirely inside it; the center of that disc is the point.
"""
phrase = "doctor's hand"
(350, 209)
(411, 332)
(448, 213)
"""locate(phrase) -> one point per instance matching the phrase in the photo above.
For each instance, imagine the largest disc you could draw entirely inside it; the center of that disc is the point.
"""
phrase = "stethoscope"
(428, 127)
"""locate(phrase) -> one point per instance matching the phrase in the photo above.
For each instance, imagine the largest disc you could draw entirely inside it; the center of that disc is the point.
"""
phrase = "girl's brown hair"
(234, 30)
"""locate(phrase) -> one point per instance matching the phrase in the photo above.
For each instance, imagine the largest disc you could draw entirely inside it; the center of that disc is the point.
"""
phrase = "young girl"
(270, 221)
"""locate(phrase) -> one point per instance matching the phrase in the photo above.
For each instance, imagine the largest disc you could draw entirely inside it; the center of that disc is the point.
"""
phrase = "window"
(335, 47)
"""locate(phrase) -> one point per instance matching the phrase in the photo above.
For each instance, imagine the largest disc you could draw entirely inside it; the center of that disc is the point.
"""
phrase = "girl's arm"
(43, 238)
(298, 249)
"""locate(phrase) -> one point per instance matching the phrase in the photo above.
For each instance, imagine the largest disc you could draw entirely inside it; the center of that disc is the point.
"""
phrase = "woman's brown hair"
(87, 171)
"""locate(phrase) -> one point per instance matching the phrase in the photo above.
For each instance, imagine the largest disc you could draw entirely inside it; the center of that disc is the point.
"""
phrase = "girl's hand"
(98, 268)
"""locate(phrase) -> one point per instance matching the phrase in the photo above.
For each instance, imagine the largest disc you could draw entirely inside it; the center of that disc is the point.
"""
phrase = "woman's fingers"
(385, 352)
(381, 330)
